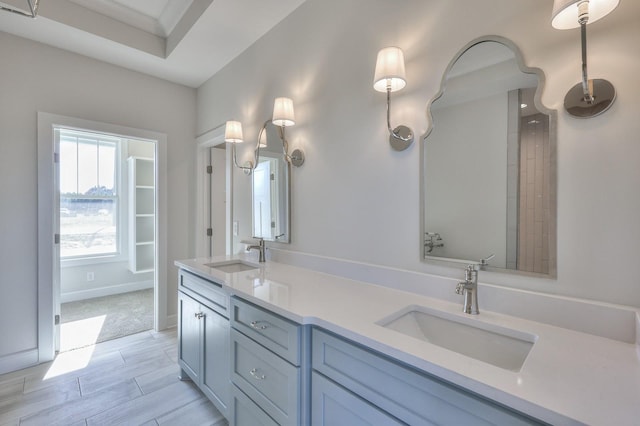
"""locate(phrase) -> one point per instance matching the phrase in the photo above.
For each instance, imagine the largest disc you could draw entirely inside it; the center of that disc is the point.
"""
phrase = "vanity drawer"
(213, 292)
(407, 394)
(270, 330)
(267, 379)
(244, 412)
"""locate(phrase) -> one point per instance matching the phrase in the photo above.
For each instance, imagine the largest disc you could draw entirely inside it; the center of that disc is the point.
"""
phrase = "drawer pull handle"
(254, 373)
(199, 315)
(258, 325)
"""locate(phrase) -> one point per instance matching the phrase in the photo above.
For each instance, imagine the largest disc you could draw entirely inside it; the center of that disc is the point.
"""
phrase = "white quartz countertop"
(569, 377)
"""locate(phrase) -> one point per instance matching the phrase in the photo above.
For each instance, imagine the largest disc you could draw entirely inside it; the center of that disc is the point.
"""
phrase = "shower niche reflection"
(489, 164)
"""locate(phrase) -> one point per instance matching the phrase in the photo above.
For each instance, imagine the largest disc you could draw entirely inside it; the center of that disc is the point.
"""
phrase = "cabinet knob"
(258, 325)
(254, 373)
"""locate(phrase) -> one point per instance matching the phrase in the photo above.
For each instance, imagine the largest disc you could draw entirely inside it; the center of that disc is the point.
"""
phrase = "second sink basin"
(496, 345)
(231, 266)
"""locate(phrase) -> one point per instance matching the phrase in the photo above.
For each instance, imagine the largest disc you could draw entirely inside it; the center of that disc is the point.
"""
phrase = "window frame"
(120, 254)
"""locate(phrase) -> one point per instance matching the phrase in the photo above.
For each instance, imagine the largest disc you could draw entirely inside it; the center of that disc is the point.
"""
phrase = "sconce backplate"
(603, 93)
(297, 157)
(407, 138)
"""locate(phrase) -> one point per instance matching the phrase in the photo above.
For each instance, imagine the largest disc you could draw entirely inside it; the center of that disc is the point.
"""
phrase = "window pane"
(107, 167)
(87, 227)
(68, 165)
(87, 163)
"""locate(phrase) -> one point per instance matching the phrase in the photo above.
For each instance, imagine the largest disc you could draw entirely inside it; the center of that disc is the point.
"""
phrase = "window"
(89, 192)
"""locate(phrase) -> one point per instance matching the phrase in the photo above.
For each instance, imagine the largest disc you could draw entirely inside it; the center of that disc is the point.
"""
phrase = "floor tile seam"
(148, 395)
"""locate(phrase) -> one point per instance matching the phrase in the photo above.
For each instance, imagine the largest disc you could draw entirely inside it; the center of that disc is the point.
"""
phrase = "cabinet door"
(332, 405)
(216, 368)
(189, 336)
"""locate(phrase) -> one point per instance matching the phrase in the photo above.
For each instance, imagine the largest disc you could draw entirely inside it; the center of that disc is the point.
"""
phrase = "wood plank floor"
(132, 380)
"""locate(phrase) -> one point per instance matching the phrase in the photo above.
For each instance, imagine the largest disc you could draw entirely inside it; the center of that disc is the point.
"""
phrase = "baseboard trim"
(172, 321)
(18, 361)
(74, 296)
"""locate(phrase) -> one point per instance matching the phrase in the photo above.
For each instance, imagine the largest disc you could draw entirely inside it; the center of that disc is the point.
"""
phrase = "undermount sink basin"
(496, 345)
(231, 266)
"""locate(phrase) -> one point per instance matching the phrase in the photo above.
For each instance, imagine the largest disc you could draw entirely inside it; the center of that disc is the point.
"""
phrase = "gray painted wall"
(354, 198)
(36, 78)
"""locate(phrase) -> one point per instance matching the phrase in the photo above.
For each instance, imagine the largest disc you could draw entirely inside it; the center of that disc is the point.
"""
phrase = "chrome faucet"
(469, 289)
(260, 247)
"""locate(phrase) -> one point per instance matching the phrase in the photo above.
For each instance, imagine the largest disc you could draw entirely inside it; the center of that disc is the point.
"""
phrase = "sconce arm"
(392, 132)
(296, 158)
(246, 169)
(587, 89)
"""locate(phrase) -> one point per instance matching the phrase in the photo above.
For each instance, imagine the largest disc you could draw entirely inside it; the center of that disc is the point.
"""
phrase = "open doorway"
(105, 198)
(214, 189)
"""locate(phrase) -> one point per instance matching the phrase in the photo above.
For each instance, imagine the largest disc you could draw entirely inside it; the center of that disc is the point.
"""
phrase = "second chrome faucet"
(260, 247)
(469, 289)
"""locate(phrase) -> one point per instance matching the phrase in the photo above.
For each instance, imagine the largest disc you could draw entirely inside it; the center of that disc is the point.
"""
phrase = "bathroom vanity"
(304, 347)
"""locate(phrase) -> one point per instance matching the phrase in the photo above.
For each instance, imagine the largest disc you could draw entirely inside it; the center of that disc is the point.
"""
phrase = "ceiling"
(183, 41)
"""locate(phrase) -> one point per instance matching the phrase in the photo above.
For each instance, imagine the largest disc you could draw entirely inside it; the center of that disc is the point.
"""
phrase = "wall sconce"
(589, 97)
(390, 77)
(233, 134)
(283, 117)
(32, 10)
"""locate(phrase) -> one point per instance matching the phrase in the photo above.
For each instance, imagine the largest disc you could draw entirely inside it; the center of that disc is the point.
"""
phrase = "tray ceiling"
(184, 41)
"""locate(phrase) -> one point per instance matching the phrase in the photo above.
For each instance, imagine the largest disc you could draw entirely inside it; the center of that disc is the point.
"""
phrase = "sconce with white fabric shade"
(589, 97)
(283, 114)
(233, 132)
(389, 76)
(233, 135)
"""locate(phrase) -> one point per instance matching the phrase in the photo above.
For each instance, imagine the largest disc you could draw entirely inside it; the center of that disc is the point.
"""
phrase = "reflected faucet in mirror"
(432, 240)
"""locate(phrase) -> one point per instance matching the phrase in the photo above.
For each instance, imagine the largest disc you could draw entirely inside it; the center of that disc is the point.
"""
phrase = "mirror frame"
(287, 167)
(553, 169)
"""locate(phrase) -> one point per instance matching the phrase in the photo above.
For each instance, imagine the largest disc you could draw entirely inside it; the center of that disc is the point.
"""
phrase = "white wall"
(35, 77)
(355, 198)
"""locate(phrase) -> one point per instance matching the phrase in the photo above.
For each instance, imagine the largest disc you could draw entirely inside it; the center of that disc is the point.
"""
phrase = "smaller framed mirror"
(270, 188)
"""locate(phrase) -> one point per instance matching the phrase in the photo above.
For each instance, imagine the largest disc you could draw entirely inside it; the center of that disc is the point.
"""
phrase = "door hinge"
(56, 157)
(209, 232)
(273, 176)
(56, 320)
(209, 170)
(56, 239)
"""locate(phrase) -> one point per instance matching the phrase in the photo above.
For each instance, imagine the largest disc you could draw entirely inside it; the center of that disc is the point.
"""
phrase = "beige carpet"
(90, 321)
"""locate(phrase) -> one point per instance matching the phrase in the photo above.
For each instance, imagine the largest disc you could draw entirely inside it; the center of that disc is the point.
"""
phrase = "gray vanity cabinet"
(352, 382)
(203, 336)
(268, 370)
(332, 404)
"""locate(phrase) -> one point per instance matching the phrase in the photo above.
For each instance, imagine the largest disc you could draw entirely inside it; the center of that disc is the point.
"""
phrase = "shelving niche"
(141, 214)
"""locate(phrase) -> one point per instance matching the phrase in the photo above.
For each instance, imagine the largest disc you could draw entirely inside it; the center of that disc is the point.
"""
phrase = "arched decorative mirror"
(489, 164)
(271, 188)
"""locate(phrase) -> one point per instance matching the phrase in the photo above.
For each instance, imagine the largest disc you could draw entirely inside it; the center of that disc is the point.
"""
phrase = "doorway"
(214, 188)
(52, 208)
(106, 227)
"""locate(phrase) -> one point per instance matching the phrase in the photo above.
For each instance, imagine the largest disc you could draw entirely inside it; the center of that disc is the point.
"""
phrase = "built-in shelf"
(141, 214)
